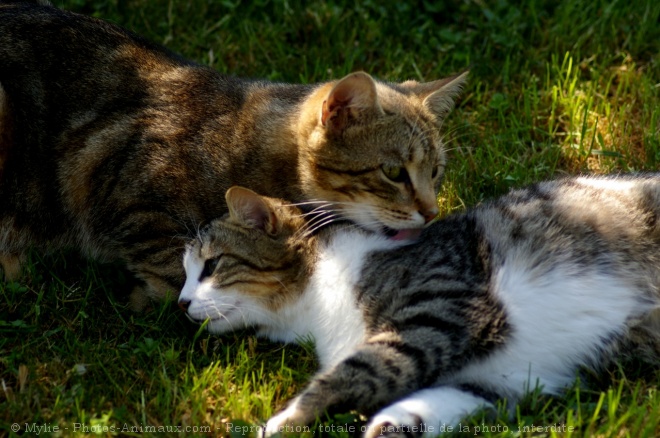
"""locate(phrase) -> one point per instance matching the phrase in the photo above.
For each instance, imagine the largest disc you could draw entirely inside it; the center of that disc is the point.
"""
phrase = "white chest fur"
(328, 310)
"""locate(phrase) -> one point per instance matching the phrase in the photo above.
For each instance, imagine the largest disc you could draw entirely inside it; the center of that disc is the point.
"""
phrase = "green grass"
(556, 88)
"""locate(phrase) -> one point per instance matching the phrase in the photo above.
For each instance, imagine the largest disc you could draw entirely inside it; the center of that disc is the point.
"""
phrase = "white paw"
(394, 421)
(282, 422)
(427, 412)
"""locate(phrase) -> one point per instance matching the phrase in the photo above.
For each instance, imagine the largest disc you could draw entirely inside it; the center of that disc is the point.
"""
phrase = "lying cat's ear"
(251, 210)
(439, 96)
(351, 95)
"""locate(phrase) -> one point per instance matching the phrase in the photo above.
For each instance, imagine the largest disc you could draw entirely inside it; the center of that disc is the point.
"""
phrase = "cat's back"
(588, 215)
(58, 59)
(31, 29)
(586, 250)
(66, 76)
(575, 226)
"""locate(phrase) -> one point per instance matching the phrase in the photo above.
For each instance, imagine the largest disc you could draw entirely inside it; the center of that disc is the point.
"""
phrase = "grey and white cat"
(521, 291)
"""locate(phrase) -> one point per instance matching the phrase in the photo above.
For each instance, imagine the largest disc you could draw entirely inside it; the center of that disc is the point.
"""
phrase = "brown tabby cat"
(118, 147)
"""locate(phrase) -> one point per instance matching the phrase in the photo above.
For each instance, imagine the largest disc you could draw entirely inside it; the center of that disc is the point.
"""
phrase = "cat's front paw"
(395, 422)
(428, 412)
(287, 422)
(11, 265)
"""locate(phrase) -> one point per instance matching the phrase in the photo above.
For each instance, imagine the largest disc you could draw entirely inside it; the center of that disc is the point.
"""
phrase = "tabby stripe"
(419, 297)
(123, 220)
(453, 332)
(346, 171)
(143, 227)
(417, 355)
(105, 176)
(138, 238)
(376, 191)
(419, 131)
(372, 372)
(431, 321)
(373, 388)
(447, 293)
(272, 284)
(392, 368)
(443, 260)
(139, 241)
(361, 365)
(442, 275)
(427, 121)
(245, 262)
(108, 115)
(440, 351)
(153, 252)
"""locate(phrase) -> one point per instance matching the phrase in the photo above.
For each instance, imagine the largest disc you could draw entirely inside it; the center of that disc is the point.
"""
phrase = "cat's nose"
(430, 214)
(183, 304)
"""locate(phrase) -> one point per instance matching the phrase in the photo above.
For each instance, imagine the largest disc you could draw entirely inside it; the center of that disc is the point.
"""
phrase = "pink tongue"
(408, 234)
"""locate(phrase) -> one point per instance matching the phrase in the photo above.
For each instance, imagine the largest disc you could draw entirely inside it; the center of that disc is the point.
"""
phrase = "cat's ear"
(439, 96)
(350, 96)
(251, 210)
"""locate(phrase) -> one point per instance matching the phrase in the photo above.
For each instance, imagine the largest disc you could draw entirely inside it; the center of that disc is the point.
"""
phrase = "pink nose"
(183, 305)
(429, 214)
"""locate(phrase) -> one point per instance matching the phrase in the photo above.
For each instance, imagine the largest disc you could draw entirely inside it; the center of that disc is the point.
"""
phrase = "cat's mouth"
(408, 234)
(200, 321)
(194, 320)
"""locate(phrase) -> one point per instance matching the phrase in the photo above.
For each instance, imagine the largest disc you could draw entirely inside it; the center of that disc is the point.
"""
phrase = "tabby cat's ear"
(439, 96)
(351, 95)
(251, 210)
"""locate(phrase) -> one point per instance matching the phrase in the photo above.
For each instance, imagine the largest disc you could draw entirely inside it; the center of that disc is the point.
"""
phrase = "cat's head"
(242, 268)
(374, 150)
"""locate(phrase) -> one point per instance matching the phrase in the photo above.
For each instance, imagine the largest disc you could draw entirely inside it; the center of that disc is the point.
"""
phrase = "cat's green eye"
(209, 267)
(396, 174)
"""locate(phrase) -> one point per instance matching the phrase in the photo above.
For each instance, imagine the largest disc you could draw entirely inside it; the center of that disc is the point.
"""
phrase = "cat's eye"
(209, 267)
(396, 174)
(435, 172)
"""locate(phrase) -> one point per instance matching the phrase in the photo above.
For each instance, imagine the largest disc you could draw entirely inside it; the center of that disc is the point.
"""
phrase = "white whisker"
(311, 230)
(308, 202)
(316, 212)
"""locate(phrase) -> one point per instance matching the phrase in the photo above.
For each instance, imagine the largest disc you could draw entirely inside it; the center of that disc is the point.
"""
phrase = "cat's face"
(375, 151)
(244, 267)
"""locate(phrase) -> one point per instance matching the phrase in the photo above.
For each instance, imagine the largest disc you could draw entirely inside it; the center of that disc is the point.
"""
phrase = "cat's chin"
(405, 235)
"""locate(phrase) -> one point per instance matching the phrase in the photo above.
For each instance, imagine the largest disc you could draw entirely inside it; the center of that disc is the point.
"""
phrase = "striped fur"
(116, 146)
(521, 291)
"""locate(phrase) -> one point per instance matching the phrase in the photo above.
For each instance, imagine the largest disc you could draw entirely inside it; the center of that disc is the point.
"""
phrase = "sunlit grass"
(555, 88)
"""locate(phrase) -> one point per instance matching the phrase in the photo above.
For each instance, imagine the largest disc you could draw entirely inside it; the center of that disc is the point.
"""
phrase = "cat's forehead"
(396, 100)
(211, 238)
(406, 139)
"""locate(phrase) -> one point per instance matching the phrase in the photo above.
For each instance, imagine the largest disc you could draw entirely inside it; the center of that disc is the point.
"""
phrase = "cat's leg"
(153, 290)
(379, 373)
(162, 277)
(150, 242)
(11, 266)
(425, 413)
